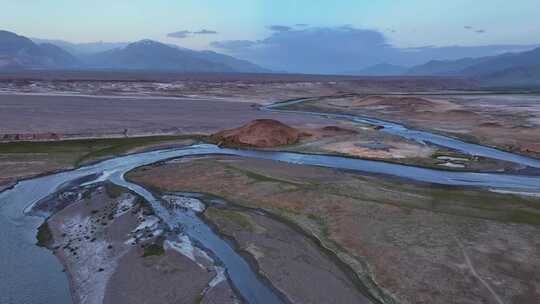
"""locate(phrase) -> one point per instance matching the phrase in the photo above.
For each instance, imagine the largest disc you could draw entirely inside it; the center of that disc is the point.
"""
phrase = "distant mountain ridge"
(510, 68)
(503, 62)
(444, 67)
(515, 76)
(19, 52)
(151, 55)
(383, 69)
(238, 65)
(78, 49)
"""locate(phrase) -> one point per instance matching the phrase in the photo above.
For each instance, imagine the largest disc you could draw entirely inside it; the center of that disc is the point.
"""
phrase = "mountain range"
(19, 52)
(382, 69)
(86, 48)
(509, 69)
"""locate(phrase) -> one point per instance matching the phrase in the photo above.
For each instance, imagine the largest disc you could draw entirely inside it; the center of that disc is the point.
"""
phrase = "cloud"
(301, 25)
(205, 32)
(233, 45)
(342, 49)
(185, 33)
(280, 28)
(179, 34)
(470, 28)
(311, 50)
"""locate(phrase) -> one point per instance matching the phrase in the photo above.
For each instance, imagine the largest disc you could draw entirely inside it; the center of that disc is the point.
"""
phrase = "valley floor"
(408, 243)
(357, 237)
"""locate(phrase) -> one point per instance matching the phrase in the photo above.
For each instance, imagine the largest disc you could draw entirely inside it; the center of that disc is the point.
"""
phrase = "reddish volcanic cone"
(261, 133)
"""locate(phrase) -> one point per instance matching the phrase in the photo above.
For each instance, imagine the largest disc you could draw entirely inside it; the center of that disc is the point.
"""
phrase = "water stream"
(30, 274)
(423, 137)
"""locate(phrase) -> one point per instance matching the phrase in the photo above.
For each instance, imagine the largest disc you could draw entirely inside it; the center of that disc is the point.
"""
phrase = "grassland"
(407, 240)
(20, 160)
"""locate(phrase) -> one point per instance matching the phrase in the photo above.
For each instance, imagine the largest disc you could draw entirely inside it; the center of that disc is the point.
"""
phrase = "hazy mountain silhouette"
(444, 67)
(506, 69)
(152, 55)
(18, 52)
(503, 62)
(85, 48)
(515, 76)
(238, 65)
(383, 69)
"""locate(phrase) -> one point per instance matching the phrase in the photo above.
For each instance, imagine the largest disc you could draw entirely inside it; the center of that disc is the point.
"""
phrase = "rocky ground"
(115, 250)
(352, 140)
(269, 133)
(259, 88)
(261, 133)
(510, 122)
(409, 243)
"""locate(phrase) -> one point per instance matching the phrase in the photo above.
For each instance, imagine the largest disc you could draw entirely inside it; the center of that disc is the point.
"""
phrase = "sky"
(203, 24)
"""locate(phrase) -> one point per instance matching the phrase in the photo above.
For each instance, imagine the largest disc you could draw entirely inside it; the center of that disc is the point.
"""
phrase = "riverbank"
(412, 241)
(102, 120)
(405, 238)
(283, 254)
(30, 159)
(284, 184)
(24, 160)
(507, 122)
(115, 250)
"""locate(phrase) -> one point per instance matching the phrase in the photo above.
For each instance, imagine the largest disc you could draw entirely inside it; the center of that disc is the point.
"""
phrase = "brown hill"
(261, 133)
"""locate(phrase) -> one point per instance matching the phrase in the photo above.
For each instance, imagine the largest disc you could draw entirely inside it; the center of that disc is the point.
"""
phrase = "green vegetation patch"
(91, 149)
(44, 235)
(231, 216)
(145, 205)
(153, 250)
(114, 191)
(257, 177)
(115, 147)
(460, 201)
(321, 223)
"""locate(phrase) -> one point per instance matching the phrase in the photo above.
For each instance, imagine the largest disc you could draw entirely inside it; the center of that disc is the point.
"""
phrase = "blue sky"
(336, 33)
(404, 22)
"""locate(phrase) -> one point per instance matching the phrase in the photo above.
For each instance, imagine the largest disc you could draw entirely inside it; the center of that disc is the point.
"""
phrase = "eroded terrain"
(116, 250)
(509, 122)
